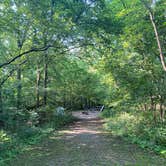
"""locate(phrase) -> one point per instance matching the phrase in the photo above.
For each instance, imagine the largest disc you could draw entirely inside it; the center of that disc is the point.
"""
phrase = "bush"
(139, 129)
(121, 124)
(27, 132)
(107, 113)
(7, 142)
(4, 137)
(61, 120)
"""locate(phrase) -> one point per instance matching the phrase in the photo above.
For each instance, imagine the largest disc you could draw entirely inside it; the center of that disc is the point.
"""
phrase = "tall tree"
(148, 6)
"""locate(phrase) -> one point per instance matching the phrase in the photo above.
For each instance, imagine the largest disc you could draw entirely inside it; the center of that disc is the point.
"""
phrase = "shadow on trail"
(85, 143)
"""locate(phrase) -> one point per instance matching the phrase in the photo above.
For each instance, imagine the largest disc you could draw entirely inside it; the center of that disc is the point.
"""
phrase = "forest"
(76, 55)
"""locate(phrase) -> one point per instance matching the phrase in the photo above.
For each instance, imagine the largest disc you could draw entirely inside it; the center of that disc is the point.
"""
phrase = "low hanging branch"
(24, 53)
(162, 58)
(10, 73)
(38, 50)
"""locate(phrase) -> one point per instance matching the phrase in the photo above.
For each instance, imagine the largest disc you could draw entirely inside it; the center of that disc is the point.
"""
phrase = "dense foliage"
(142, 131)
(80, 54)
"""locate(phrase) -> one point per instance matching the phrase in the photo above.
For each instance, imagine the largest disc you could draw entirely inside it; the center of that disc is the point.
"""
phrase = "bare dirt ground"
(85, 143)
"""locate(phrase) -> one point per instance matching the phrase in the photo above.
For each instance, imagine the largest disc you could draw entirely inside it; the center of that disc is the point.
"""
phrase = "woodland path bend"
(85, 143)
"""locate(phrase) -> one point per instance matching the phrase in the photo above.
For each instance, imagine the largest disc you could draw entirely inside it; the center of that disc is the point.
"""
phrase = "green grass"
(139, 129)
(12, 144)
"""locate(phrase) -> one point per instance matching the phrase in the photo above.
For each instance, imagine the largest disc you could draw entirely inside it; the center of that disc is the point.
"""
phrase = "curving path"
(85, 143)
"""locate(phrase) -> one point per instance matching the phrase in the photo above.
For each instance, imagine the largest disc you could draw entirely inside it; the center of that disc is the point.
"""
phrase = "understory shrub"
(108, 113)
(28, 131)
(138, 129)
(61, 120)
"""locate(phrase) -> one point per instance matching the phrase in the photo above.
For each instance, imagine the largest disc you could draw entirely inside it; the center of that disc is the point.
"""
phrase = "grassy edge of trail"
(137, 130)
(15, 145)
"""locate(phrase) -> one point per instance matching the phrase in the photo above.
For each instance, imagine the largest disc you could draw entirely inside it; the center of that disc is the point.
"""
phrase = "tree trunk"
(19, 87)
(162, 58)
(145, 107)
(162, 111)
(1, 102)
(71, 97)
(153, 108)
(37, 86)
(45, 78)
(155, 113)
(158, 42)
(64, 100)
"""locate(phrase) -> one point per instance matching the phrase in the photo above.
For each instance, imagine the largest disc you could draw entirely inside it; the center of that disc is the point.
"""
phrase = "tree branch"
(24, 53)
(10, 74)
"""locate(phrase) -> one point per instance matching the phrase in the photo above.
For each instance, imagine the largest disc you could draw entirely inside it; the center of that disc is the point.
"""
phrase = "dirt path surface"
(85, 143)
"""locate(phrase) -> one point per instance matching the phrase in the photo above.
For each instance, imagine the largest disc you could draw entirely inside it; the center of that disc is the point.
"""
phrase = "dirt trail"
(85, 143)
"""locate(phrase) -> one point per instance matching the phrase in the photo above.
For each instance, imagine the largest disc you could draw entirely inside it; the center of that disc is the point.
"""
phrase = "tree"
(151, 16)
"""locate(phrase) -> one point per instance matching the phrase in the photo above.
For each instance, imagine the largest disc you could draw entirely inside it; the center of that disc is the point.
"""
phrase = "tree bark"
(1, 102)
(37, 86)
(162, 58)
(162, 111)
(19, 87)
(45, 78)
(145, 107)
